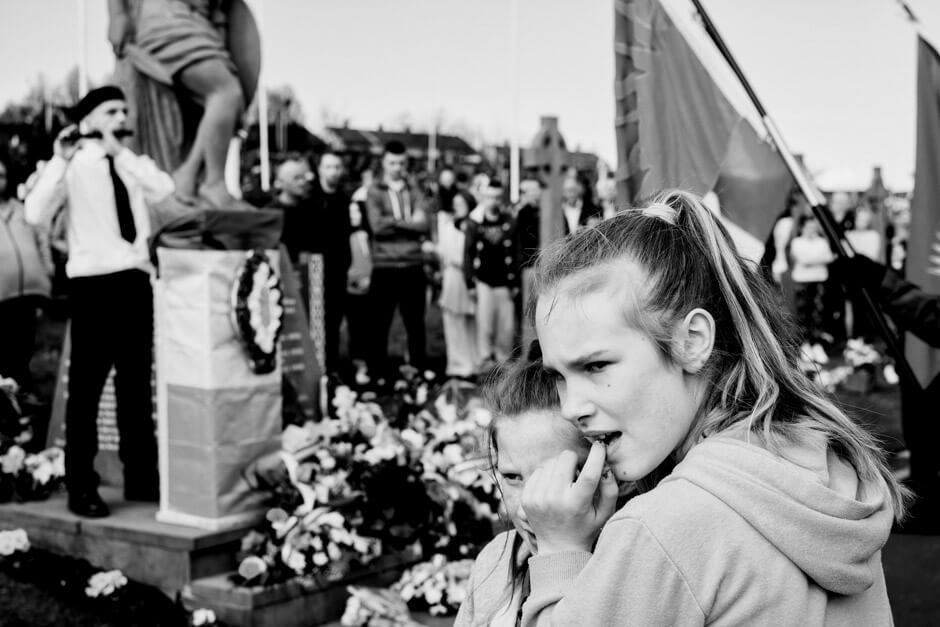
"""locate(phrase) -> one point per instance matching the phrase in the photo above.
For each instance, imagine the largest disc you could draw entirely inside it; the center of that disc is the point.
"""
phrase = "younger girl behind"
(526, 430)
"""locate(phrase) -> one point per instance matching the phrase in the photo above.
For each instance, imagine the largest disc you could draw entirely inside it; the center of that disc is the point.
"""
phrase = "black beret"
(94, 98)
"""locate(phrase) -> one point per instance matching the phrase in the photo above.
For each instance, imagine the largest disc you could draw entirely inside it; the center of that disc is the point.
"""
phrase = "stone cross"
(549, 156)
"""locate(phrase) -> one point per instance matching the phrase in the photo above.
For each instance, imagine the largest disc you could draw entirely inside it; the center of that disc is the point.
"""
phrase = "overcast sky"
(838, 75)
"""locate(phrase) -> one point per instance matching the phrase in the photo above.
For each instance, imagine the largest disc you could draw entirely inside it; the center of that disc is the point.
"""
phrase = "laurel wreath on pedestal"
(257, 310)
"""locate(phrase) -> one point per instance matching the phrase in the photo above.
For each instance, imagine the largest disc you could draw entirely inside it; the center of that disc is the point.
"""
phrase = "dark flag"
(923, 258)
(678, 124)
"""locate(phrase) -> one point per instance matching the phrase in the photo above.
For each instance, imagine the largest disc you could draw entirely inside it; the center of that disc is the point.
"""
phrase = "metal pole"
(82, 48)
(514, 133)
(816, 201)
(264, 150)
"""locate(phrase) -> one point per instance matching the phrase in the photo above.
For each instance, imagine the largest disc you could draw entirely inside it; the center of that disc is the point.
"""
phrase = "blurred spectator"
(491, 269)
(357, 288)
(328, 235)
(457, 307)
(528, 228)
(811, 256)
(24, 284)
(866, 241)
(607, 197)
(446, 190)
(576, 205)
(293, 182)
(399, 224)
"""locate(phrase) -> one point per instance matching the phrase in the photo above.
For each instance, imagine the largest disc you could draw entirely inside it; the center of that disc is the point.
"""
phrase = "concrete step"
(159, 554)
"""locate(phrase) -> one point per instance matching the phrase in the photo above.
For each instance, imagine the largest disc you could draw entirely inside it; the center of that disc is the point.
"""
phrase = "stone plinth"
(162, 555)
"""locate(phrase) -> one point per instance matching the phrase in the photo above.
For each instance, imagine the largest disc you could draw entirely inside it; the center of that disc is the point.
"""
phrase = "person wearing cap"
(107, 190)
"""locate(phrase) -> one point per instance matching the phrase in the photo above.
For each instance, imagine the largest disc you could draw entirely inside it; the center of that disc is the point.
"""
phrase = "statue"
(189, 68)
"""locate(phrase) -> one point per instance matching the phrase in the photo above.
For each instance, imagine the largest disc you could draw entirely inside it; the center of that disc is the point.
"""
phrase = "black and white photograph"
(450, 313)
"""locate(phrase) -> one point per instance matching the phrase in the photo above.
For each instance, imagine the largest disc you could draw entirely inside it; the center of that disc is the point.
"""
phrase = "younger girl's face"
(613, 381)
(524, 443)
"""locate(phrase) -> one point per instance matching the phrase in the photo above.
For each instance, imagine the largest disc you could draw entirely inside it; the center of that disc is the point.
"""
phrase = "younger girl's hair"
(753, 371)
(517, 388)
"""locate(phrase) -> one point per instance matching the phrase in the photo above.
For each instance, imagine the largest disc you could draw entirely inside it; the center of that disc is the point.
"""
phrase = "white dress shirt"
(573, 216)
(83, 185)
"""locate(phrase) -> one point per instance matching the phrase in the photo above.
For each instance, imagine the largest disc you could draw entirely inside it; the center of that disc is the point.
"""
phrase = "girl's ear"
(695, 340)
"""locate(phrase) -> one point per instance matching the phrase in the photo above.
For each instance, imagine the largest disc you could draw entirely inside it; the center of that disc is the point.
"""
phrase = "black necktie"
(123, 203)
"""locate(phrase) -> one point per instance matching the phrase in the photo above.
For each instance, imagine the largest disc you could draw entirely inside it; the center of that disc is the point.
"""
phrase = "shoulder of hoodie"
(497, 551)
(694, 528)
(489, 575)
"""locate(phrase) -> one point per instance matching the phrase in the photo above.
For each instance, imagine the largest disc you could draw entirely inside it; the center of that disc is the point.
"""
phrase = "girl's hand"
(567, 512)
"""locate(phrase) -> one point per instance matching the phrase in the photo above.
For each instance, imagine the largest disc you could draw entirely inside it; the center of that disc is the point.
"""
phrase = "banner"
(682, 124)
(923, 260)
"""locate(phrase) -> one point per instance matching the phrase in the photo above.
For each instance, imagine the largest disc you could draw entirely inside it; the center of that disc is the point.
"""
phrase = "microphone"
(76, 136)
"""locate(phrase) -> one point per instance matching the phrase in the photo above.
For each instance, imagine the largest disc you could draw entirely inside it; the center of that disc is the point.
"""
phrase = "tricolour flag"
(684, 121)
(923, 260)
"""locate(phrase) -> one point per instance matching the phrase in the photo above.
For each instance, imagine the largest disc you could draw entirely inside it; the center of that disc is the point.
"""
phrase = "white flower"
(13, 541)
(412, 438)
(320, 559)
(203, 616)
(333, 551)
(105, 583)
(294, 560)
(12, 461)
(251, 567)
(40, 468)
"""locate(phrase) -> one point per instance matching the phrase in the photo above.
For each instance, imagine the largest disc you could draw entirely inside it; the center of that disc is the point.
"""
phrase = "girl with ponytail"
(764, 503)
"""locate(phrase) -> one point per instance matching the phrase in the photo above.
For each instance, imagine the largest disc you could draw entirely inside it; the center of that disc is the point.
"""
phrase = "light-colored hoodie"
(734, 536)
(488, 602)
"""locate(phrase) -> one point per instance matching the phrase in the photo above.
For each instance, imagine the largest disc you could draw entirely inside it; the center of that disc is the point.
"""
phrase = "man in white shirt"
(105, 188)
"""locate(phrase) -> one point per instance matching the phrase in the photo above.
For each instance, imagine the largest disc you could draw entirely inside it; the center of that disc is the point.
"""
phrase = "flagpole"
(82, 48)
(814, 197)
(514, 134)
(264, 150)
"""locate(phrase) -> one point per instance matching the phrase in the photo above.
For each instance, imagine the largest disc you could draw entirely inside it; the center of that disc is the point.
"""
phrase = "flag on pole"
(923, 256)
(683, 119)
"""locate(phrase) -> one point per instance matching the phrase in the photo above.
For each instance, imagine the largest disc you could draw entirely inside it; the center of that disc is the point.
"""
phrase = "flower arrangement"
(857, 369)
(437, 586)
(105, 583)
(24, 476)
(409, 476)
(13, 541)
(375, 606)
(257, 310)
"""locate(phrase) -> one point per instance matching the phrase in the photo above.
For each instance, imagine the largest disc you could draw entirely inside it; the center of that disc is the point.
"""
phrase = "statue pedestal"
(214, 415)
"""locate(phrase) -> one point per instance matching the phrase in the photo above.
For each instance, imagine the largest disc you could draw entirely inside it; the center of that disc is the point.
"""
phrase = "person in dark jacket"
(491, 269)
(399, 223)
(329, 236)
(24, 285)
(917, 312)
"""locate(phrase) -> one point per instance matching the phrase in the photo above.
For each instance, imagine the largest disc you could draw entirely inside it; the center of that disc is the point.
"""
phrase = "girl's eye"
(595, 366)
(511, 477)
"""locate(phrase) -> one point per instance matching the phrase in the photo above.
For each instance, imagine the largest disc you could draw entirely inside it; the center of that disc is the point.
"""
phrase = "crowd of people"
(798, 257)
(394, 244)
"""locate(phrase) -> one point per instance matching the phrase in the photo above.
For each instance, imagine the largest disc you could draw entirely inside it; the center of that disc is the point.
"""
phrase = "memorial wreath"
(257, 310)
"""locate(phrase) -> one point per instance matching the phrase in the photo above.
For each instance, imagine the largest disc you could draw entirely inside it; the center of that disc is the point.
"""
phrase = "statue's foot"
(218, 196)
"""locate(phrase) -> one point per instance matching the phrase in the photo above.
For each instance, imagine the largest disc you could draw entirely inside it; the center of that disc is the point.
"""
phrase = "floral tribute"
(257, 310)
(409, 478)
(858, 359)
(24, 476)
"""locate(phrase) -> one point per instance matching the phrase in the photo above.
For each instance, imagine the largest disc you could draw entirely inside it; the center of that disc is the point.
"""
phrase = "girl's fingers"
(591, 473)
(609, 491)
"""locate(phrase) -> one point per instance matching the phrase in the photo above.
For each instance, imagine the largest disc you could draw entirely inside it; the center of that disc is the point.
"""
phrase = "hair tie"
(662, 211)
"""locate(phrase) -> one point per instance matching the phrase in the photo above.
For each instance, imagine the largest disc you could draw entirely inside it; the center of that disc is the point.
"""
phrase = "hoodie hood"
(806, 502)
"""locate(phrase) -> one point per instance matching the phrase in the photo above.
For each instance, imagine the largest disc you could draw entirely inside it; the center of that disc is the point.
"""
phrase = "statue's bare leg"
(213, 83)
